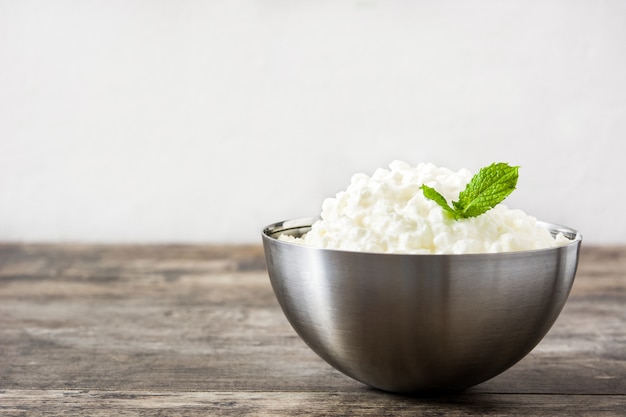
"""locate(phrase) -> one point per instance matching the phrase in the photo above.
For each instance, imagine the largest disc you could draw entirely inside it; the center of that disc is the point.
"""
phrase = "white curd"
(387, 212)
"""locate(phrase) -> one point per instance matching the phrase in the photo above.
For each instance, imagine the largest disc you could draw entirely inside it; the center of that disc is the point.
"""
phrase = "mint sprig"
(485, 190)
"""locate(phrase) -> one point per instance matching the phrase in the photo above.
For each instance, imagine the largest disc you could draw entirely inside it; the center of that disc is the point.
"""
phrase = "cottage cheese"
(388, 213)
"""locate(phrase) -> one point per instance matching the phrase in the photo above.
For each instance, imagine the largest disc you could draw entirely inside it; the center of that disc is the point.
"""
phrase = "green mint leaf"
(434, 195)
(486, 189)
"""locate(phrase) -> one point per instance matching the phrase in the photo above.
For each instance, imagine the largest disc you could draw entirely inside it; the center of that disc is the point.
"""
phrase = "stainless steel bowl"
(410, 323)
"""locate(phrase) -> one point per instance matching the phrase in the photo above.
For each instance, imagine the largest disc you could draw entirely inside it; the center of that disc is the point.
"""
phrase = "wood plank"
(157, 325)
(311, 403)
(157, 317)
(104, 341)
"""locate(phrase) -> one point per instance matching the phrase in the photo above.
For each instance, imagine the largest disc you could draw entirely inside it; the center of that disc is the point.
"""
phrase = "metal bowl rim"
(273, 229)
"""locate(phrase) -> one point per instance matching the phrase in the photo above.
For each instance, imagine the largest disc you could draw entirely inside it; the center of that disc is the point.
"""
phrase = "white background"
(203, 121)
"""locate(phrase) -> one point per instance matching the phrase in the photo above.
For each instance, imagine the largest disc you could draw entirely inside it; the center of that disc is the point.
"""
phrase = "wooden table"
(195, 330)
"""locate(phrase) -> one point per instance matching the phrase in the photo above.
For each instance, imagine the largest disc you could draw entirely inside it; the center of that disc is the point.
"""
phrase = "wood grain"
(195, 330)
(304, 403)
